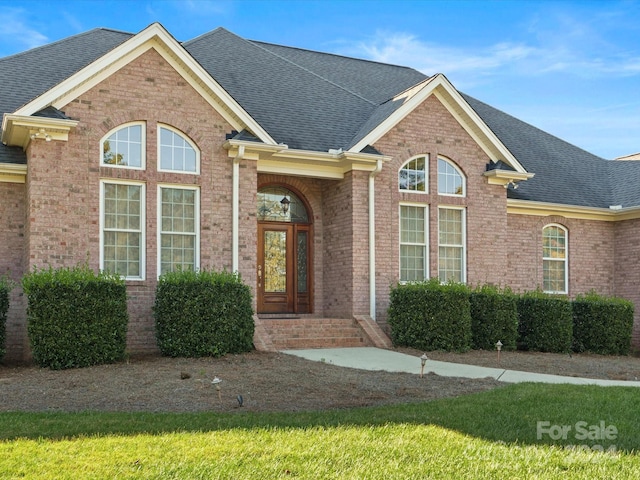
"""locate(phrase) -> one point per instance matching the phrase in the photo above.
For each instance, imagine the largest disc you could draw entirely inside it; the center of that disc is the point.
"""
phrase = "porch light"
(285, 204)
(423, 362)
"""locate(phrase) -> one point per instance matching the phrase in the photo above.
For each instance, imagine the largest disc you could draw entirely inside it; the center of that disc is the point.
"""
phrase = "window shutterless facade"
(178, 228)
(124, 147)
(414, 236)
(122, 228)
(176, 152)
(452, 244)
(554, 259)
(413, 175)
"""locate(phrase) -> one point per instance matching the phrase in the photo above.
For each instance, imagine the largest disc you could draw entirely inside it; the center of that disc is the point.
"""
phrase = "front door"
(283, 268)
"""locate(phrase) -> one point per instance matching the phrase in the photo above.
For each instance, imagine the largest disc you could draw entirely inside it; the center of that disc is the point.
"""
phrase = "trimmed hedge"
(545, 323)
(431, 316)
(494, 316)
(602, 324)
(5, 288)
(75, 318)
(203, 313)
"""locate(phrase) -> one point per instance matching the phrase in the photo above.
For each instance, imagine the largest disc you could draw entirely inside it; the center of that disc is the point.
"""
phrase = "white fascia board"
(154, 36)
(13, 173)
(543, 209)
(440, 86)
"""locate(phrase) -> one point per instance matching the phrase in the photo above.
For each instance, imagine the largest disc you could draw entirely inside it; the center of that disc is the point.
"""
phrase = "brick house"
(323, 180)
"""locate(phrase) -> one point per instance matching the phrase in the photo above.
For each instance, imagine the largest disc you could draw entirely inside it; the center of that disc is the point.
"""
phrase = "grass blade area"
(488, 435)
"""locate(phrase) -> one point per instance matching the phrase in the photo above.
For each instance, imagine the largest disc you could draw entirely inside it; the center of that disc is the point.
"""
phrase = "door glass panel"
(302, 262)
(275, 261)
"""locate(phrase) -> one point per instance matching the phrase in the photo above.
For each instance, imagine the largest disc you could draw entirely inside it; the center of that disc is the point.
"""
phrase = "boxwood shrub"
(602, 324)
(75, 317)
(431, 316)
(545, 322)
(5, 288)
(494, 316)
(203, 313)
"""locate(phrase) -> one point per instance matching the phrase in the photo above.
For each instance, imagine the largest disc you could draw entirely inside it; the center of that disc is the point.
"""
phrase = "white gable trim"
(156, 37)
(441, 88)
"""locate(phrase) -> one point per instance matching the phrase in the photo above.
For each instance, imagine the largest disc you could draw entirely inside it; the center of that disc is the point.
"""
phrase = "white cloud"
(14, 31)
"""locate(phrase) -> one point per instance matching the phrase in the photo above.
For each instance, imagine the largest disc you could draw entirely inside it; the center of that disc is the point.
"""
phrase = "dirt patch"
(267, 382)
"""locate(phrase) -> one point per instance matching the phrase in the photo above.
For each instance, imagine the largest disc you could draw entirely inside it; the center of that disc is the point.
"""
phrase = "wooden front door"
(284, 280)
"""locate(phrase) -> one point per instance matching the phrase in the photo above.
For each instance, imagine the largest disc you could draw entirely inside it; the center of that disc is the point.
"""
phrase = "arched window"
(412, 176)
(554, 259)
(124, 147)
(176, 152)
(450, 180)
(278, 204)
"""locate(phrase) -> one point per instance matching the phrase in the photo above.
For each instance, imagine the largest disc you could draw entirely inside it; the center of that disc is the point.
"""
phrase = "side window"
(124, 147)
(413, 243)
(122, 229)
(179, 232)
(176, 152)
(450, 180)
(451, 245)
(554, 259)
(413, 175)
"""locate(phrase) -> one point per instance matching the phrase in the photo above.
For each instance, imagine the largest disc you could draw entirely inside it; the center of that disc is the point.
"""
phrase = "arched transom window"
(176, 152)
(278, 204)
(450, 179)
(413, 175)
(124, 147)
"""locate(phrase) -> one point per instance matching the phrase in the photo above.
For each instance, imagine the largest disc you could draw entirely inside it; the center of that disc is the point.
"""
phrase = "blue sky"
(571, 68)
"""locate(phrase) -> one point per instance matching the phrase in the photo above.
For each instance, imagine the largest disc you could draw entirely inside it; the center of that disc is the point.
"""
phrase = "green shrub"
(200, 314)
(5, 287)
(545, 323)
(75, 318)
(431, 316)
(602, 324)
(494, 316)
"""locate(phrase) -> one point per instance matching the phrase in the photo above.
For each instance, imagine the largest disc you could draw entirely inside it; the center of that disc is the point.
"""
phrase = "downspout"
(235, 229)
(372, 241)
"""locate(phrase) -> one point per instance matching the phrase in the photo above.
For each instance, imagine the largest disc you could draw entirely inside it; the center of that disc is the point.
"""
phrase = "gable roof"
(316, 101)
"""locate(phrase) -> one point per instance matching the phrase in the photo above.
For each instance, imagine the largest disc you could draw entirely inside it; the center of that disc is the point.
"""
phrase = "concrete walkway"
(370, 358)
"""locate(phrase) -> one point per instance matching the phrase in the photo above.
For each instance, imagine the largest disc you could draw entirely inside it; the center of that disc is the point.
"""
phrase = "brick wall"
(431, 130)
(627, 273)
(12, 238)
(64, 177)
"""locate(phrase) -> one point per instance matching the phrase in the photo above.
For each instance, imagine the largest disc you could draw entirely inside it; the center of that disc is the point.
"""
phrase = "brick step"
(302, 333)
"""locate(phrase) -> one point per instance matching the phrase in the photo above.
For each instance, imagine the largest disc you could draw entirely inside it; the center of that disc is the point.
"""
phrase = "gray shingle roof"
(319, 101)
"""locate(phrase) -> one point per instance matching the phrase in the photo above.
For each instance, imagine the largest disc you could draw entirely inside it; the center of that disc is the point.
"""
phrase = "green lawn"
(488, 435)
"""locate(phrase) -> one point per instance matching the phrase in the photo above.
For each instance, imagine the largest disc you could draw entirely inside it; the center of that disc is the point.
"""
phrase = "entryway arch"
(284, 251)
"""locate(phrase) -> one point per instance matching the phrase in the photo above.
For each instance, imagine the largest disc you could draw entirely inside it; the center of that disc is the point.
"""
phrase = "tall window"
(413, 175)
(451, 244)
(554, 259)
(178, 224)
(450, 179)
(124, 147)
(413, 243)
(122, 232)
(176, 153)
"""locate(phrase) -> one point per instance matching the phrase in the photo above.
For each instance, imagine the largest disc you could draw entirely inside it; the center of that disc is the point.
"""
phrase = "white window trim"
(426, 238)
(457, 169)
(196, 223)
(143, 148)
(186, 139)
(464, 239)
(565, 260)
(426, 174)
(143, 243)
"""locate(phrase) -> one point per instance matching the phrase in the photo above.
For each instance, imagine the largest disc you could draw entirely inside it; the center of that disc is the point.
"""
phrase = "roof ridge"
(341, 87)
(65, 39)
(206, 34)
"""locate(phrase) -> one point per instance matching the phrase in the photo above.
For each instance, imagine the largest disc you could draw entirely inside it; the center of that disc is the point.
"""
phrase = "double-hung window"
(178, 214)
(122, 228)
(451, 244)
(413, 243)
